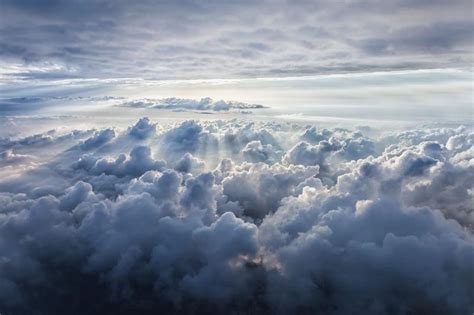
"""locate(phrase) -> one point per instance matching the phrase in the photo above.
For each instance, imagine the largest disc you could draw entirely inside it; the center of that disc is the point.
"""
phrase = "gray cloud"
(216, 39)
(337, 223)
(143, 129)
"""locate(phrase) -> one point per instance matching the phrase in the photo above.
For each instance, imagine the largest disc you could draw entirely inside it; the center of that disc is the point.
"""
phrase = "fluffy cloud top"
(143, 129)
(295, 220)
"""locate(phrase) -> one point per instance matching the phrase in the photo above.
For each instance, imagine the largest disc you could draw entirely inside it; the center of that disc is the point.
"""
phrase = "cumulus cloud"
(98, 139)
(188, 163)
(328, 221)
(142, 129)
(306, 154)
(138, 162)
(237, 137)
(259, 188)
(188, 137)
(255, 151)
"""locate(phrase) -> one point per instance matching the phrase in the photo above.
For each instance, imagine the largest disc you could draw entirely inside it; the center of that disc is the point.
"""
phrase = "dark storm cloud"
(202, 39)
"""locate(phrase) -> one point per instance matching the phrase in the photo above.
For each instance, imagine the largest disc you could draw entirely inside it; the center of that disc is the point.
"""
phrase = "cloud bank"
(227, 216)
(204, 104)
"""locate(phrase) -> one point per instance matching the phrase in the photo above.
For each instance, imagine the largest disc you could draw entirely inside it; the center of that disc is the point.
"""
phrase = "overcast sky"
(230, 39)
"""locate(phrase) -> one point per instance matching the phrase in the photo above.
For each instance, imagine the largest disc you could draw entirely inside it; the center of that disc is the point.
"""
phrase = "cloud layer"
(226, 216)
(221, 39)
(180, 104)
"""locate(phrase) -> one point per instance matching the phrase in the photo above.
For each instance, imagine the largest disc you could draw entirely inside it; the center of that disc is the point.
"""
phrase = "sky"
(237, 157)
(230, 39)
(387, 60)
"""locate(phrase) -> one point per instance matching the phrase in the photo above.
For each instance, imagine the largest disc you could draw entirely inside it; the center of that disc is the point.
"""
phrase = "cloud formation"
(327, 220)
(218, 39)
(204, 104)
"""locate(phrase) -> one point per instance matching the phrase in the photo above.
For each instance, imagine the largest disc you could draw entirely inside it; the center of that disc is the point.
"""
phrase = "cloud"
(189, 137)
(259, 188)
(360, 238)
(143, 129)
(237, 137)
(48, 138)
(188, 163)
(255, 151)
(8, 157)
(386, 227)
(305, 154)
(21, 104)
(98, 139)
(196, 39)
(204, 104)
(75, 195)
(138, 162)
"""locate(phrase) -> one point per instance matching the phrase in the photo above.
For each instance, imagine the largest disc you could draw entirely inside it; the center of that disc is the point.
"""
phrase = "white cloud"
(98, 139)
(188, 164)
(204, 104)
(255, 152)
(143, 129)
(263, 230)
